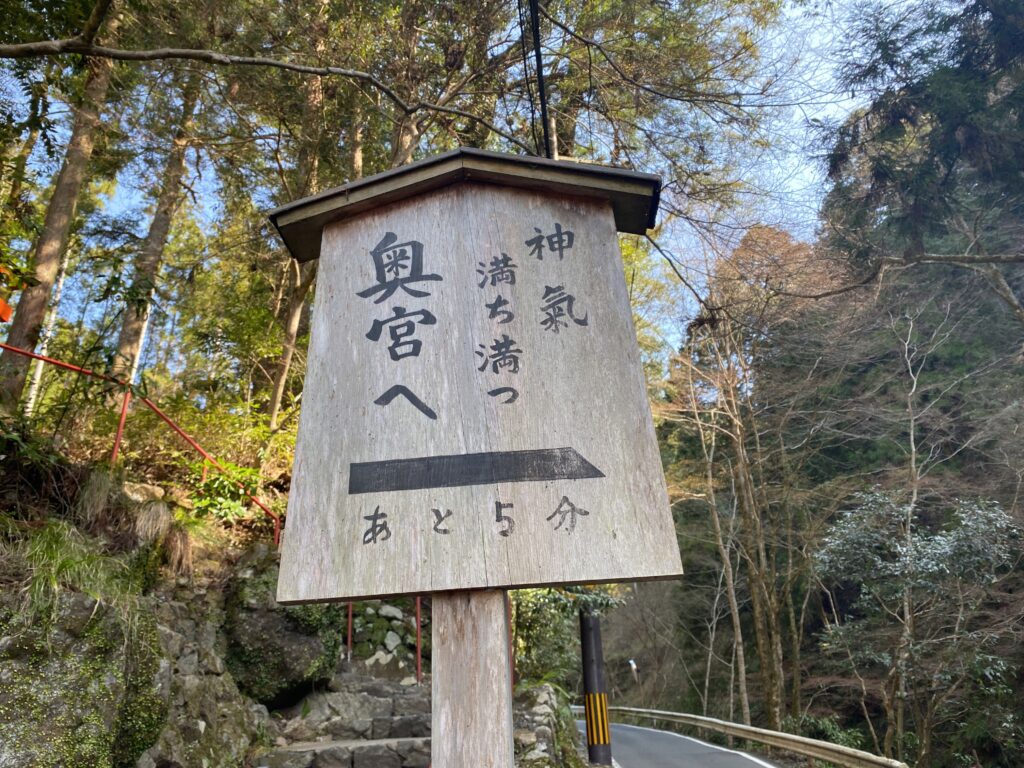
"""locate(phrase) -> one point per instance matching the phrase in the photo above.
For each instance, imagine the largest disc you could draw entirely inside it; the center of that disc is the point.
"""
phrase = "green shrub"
(546, 626)
(225, 496)
(824, 729)
(57, 557)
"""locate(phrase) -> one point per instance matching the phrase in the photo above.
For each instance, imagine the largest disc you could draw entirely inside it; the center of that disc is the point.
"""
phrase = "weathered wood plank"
(573, 461)
(471, 685)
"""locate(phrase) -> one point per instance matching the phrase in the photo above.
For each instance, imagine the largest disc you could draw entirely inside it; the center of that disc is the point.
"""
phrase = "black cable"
(526, 76)
(535, 23)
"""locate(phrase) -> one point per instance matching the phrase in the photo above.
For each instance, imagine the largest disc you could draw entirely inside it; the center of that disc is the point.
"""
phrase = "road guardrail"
(820, 750)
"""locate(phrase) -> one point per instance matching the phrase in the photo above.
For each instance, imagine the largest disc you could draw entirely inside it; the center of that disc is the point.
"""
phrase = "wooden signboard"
(474, 411)
(474, 414)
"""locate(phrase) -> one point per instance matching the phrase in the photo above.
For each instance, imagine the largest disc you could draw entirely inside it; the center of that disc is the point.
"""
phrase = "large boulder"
(357, 706)
(277, 653)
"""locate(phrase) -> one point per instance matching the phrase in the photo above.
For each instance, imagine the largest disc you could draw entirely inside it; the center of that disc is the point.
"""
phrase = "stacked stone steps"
(368, 722)
(353, 753)
(359, 722)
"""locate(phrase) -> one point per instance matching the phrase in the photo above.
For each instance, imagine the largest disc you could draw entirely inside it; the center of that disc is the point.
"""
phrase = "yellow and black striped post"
(595, 696)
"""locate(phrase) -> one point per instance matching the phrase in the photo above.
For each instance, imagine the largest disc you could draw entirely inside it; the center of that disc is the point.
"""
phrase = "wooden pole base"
(471, 687)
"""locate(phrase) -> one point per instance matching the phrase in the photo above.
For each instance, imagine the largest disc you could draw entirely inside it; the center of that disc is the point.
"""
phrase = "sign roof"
(633, 195)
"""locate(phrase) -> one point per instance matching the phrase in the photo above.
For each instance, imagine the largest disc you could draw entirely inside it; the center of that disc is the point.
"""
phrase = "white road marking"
(751, 758)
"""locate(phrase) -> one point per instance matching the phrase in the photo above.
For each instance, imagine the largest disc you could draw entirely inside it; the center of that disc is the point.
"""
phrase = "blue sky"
(785, 178)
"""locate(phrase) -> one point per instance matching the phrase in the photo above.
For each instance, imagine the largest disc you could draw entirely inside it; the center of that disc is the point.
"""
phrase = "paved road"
(635, 747)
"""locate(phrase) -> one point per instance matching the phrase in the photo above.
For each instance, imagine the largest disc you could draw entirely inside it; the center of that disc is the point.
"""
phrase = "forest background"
(830, 310)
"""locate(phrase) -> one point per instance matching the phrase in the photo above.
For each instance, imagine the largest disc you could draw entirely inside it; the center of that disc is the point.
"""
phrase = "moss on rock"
(80, 691)
(143, 710)
(276, 653)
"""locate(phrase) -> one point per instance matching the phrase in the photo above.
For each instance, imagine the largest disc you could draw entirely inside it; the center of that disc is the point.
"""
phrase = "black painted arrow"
(407, 393)
(469, 469)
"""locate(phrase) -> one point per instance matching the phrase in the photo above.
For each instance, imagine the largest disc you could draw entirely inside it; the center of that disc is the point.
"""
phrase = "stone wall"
(544, 730)
(384, 637)
(209, 722)
(211, 672)
(84, 689)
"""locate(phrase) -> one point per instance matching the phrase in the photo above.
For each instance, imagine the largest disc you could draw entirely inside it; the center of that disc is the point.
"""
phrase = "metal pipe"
(419, 641)
(166, 419)
(61, 364)
(188, 439)
(349, 639)
(120, 424)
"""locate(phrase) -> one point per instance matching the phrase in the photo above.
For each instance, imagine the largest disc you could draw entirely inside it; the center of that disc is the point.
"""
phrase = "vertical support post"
(120, 425)
(471, 691)
(206, 468)
(348, 640)
(595, 693)
(419, 640)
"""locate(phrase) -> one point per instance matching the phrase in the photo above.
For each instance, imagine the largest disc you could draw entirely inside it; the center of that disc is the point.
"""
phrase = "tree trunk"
(307, 166)
(794, 651)
(792, 548)
(888, 691)
(739, 668)
(734, 614)
(357, 149)
(53, 240)
(151, 255)
(305, 275)
(44, 342)
(406, 136)
(766, 634)
(18, 173)
(407, 130)
(15, 206)
(710, 660)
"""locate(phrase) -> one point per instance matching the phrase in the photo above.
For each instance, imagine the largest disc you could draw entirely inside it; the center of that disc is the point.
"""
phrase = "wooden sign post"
(474, 415)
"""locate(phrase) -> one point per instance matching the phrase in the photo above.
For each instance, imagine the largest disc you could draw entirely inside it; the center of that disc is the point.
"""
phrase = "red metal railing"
(419, 641)
(120, 424)
(155, 409)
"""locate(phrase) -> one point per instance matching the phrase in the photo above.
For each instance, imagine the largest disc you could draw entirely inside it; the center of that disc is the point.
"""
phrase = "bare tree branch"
(864, 283)
(999, 284)
(965, 260)
(77, 45)
(671, 262)
(690, 96)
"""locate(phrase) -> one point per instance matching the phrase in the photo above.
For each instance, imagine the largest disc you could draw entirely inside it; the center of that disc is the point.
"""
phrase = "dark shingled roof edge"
(634, 196)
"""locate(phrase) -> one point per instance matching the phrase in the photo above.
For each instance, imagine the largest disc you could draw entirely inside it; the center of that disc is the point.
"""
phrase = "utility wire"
(526, 76)
(535, 23)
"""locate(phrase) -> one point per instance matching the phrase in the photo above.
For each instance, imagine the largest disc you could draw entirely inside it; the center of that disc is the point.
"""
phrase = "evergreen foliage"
(839, 420)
